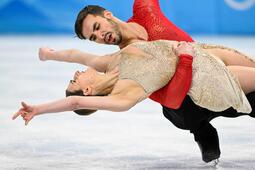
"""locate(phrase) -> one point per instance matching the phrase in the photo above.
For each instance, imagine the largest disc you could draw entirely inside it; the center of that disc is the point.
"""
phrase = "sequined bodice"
(147, 13)
(154, 69)
(213, 85)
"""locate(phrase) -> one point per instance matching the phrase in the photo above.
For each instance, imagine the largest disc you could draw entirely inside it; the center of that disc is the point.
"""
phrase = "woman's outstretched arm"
(75, 56)
(116, 103)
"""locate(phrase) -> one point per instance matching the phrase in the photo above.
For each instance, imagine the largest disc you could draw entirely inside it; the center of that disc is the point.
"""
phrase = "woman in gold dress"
(220, 79)
(141, 68)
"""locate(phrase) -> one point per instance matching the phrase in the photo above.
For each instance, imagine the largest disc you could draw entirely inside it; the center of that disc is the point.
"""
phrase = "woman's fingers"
(21, 113)
(26, 112)
(25, 106)
(25, 116)
(27, 119)
(16, 115)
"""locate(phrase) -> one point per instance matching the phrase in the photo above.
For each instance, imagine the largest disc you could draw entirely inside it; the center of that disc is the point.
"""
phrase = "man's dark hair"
(82, 112)
(90, 9)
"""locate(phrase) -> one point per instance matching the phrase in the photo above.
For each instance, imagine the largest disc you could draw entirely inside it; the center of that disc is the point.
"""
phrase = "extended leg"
(232, 57)
(246, 77)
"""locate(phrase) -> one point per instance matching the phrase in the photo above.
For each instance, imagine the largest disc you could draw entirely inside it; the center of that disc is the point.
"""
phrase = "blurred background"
(139, 139)
(195, 17)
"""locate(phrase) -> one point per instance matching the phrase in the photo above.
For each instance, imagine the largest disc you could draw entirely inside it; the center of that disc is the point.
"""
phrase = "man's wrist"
(188, 56)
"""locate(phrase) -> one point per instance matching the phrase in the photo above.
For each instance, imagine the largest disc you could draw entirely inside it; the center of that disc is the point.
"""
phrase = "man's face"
(101, 30)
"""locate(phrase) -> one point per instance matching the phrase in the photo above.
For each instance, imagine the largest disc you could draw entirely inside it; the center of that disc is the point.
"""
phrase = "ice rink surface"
(140, 139)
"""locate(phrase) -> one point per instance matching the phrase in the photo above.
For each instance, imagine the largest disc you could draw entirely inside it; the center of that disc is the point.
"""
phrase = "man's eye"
(98, 26)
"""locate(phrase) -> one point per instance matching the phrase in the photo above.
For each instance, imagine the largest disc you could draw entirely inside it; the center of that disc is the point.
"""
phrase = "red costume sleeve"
(148, 14)
(171, 95)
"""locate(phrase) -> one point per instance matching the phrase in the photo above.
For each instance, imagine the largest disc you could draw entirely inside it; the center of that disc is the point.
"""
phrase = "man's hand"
(184, 48)
(44, 53)
(27, 112)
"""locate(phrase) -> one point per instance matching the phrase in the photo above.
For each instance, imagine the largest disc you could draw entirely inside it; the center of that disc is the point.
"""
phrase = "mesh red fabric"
(171, 95)
(147, 13)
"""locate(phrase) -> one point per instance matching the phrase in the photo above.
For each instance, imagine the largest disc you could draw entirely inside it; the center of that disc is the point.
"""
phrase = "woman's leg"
(232, 57)
(246, 77)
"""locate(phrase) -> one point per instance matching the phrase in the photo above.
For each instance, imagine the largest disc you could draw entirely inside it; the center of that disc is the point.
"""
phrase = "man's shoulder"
(142, 9)
(148, 5)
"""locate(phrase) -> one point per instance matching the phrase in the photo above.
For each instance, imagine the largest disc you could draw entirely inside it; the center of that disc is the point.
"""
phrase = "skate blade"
(214, 162)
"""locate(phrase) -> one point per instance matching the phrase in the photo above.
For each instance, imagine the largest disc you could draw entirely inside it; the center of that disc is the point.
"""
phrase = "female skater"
(144, 67)
(148, 16)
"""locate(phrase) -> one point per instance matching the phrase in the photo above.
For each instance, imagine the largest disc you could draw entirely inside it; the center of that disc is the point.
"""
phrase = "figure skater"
(147, 23)
(211, 64)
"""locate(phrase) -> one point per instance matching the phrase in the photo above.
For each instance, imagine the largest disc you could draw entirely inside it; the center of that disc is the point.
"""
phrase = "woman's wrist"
(37, 110)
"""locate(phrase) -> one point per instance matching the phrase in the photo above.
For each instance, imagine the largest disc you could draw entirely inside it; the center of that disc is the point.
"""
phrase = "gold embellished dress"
(213, 86)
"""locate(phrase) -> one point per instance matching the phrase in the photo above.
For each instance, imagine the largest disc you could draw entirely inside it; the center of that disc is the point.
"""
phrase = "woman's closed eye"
(72, 81)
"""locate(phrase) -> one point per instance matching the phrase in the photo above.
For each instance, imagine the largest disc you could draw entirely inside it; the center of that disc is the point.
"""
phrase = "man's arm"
(175, 91)
(75, 56)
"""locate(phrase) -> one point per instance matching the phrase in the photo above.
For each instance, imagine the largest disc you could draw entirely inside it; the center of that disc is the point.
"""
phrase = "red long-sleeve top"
(148, 14)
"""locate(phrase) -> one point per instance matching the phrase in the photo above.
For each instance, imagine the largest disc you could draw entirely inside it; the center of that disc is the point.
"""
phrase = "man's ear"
(108, 14)
(87, 91)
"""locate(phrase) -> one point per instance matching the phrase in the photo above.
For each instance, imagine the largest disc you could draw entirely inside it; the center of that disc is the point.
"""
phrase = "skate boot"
(208, 143)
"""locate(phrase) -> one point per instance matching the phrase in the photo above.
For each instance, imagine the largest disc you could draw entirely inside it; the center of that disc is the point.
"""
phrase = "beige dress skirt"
(213, 86)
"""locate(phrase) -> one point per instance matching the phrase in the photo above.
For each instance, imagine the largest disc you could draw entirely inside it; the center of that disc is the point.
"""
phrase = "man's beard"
(117, 32)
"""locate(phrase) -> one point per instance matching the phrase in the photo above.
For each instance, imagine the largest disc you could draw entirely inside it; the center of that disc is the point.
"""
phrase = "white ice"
(135, 140)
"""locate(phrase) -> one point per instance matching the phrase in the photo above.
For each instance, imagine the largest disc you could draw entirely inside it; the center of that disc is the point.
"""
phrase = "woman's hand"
(27, 112)
(44, 53)
(184, 48)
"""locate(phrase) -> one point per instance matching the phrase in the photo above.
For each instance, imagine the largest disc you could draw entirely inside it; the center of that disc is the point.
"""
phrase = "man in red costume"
(148, 23)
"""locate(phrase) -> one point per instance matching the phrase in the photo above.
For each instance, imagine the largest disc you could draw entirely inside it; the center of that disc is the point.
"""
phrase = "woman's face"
(82, 80)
